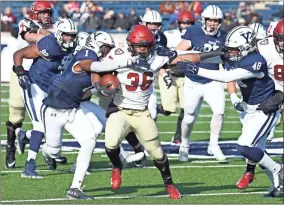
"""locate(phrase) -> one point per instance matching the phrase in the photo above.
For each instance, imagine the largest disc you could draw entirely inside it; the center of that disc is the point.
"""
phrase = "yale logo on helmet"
(247, 36)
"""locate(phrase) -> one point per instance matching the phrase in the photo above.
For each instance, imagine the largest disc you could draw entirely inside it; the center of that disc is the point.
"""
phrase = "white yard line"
(151, 167)
(137, 196)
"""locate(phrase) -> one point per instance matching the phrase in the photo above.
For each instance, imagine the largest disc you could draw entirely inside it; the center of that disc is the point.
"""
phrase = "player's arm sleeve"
(109, 65)
(228, 76)
(29, 52)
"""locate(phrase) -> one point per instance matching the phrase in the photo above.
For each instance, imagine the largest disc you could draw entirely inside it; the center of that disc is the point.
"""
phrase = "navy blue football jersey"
(161, 39)
(67, 89)
(204, 43)
(254, 90)
(43, 69)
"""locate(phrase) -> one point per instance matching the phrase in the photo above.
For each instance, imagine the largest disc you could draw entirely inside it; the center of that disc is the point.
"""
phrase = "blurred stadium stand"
(267, 13)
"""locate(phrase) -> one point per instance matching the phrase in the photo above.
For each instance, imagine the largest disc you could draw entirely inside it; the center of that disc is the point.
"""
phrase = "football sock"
(215, 128)
(133, 141)
(250, 168)
(178, 128)
(113, 155)
(83, 161)
(35, 142)
(269, 164)
(163, 166)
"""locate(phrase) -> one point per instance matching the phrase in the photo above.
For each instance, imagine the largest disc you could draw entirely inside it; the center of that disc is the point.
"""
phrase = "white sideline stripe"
(131, 197)
(194, 132)
(160, 122)
(152, 167)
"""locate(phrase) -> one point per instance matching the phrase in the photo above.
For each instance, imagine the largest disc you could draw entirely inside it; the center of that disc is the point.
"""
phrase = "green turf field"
(199, 181)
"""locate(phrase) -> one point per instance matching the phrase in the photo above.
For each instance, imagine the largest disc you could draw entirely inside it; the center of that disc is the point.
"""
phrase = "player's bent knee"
(188, 119)
(112, 144)
(16, 114)
(157, 153)
(51, 150)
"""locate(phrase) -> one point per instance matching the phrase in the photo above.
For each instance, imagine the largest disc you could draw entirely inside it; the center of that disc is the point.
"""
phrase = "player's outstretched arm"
(222, 76)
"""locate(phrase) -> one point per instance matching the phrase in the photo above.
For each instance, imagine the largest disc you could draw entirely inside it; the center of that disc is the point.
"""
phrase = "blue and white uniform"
(255, 90)
(62, 109)
(40, 73)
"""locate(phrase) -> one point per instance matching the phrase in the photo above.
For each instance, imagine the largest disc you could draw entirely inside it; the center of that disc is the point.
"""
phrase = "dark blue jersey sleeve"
(49, 47)
(86, 54)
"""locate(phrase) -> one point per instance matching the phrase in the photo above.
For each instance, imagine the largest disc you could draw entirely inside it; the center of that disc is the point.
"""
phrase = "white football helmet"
(66, 26)
(211, 12)
(239, 42)
(100, 42)
(259, 30)
(151, 16)
(81, 40)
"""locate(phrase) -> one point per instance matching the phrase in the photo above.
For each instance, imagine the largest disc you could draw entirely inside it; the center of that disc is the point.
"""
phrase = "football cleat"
(183, 153)
(128, 159)
(246, 179)
(278, 182)
(75, 193)
(22, 140)
(115, 180)
(176, 141)
(217, 152)
(49, 161)
(61, 159)
(173, 191)
(29, 171)
(270, 192)
(10, 162)
(141, 163)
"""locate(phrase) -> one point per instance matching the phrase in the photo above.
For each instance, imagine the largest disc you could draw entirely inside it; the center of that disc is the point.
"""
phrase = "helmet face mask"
(66, 33)
(141, 42)
(42, 12)
(212, 17)
(153, 20)
(278, 35)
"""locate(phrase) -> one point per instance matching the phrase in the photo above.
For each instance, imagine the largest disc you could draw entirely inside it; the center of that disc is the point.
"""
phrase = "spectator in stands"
(133, 18)
(76, 15)
(173, 20)
(85, 6)
(25, 13)
(228, 22)
(255, 18)
(248, 15)
(196, 8)
(7, 20)
(182, 5)
(241, 10)
(147, 9)
(121, 22)
(70, 7)
(56, 7)
(93, 21)
(242, 22)
(167, 7)
(108, 20)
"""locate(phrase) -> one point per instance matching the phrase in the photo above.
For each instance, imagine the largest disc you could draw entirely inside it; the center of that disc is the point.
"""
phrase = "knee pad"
(16, 114)
(156, 154)
(188, 119)
(53, 152)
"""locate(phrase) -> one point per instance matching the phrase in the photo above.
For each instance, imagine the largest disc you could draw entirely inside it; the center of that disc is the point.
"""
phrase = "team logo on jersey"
(118, 51)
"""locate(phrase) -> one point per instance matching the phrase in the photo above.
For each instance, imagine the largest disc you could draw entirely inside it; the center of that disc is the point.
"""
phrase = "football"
(109, 78)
